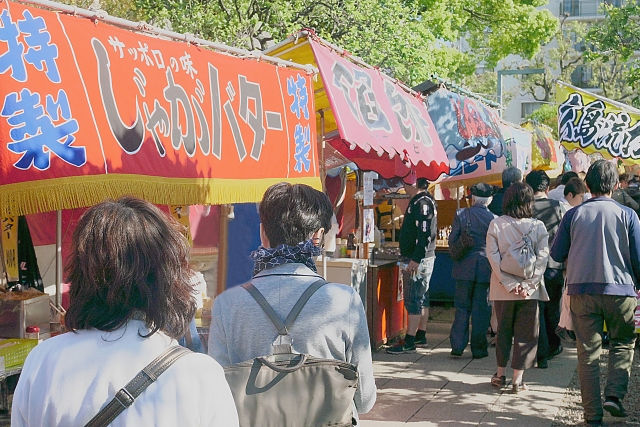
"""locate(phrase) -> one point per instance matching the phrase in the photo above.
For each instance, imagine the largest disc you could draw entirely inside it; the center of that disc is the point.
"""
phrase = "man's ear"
(264, 240)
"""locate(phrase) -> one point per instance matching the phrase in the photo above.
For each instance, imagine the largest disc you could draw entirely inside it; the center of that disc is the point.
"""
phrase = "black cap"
(422, 183)
(481, 190)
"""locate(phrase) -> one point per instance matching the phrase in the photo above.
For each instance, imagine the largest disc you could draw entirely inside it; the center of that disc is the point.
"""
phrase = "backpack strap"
(283, 327)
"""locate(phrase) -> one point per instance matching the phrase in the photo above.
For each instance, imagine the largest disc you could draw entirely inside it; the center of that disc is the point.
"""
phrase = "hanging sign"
(10, 246)
(596, 124)
(89, 110)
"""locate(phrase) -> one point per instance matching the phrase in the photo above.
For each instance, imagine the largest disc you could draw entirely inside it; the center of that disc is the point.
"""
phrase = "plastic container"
(32, 332)
(15, 350)
(351, 245)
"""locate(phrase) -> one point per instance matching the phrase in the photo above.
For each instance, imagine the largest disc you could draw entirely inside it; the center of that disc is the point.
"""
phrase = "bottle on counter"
(32, 332)
(351, 245)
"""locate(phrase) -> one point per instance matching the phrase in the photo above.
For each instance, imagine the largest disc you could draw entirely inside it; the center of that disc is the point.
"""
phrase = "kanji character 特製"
(302, 138)
(41, 51)
(298, 89)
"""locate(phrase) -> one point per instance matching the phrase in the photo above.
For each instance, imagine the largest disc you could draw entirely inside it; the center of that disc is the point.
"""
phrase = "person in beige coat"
(515, 299)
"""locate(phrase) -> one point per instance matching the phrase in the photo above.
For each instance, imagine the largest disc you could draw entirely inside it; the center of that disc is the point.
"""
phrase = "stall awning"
(547, 153)
(595, 124)
(368, 117)
(92, 111)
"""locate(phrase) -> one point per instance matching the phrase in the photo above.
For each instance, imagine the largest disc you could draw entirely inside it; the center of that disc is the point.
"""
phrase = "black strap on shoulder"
(127, 394)
(283, 327)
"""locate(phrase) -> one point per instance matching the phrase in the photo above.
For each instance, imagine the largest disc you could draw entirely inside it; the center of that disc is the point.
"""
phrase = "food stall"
(183, 122)
(479, 146)
(380, 125)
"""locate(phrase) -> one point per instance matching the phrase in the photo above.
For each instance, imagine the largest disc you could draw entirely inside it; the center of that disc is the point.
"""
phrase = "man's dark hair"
(624, 177)
(290, 214)
(574, 187)
(422, 183)
(538, 180)
(602, 177)
(518, 201)
(510, 175)
(567, 176)
(129, 260)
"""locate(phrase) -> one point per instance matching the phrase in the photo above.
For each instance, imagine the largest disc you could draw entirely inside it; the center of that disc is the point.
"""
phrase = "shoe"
(517, 388)
(479, 355)
(542, 364)
(613, 406)
(497, 381)
(556, 352)
(421, 342)
(456, 353)
(402, 349)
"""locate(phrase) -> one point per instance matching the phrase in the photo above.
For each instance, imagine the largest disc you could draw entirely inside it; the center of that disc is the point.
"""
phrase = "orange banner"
(89, 110)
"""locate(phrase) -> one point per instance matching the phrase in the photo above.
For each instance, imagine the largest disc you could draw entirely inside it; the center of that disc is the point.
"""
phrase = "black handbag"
(459, 248)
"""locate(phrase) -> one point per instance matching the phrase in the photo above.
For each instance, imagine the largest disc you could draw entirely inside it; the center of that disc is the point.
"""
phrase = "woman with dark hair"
(332, 324)
(515, 298)
(130, 299)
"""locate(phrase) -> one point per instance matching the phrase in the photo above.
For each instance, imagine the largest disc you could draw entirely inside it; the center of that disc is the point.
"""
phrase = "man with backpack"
(331, 324)
(550, 212)
(600, 240)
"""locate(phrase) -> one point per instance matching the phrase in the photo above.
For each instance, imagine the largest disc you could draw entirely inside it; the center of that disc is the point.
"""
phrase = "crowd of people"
(531, 251)
(528, 251)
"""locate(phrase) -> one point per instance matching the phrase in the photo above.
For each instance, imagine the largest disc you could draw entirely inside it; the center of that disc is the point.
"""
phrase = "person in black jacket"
(472, 274)
(418, 250)
(550, 212)
(509, 176)
(621, 194)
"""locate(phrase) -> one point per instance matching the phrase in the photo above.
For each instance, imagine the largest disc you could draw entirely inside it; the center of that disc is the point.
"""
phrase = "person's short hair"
(422, 183)
(567, 176)
(290, 214)
(574, 187)
(129, 260)
(538, 180)
(510, 175)
(623, 177)
(518, 201)
(602, 177)
(477, 200)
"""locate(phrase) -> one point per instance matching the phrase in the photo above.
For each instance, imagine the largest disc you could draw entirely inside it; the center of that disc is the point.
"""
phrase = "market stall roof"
(370, 118)
(95, 111)
(595, 124)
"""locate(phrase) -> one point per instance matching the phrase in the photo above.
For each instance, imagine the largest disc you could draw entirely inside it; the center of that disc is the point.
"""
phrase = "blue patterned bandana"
(302, 253)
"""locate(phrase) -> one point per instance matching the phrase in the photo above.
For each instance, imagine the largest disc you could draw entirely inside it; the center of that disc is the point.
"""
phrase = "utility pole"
(511, 73)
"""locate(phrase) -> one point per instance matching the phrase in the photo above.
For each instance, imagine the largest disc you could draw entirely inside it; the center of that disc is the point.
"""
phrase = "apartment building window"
(529, 107)
(582, 76)
(587, 7)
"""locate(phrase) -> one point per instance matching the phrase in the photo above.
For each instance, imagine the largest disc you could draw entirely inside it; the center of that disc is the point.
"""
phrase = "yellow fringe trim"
(76, 192)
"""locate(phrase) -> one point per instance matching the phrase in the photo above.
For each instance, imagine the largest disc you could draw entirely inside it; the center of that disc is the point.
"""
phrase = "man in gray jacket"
(600, 240)
(332, 325)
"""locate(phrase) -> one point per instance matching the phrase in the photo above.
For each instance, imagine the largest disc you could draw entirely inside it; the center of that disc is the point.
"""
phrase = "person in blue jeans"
(472, 274)
(417, 247)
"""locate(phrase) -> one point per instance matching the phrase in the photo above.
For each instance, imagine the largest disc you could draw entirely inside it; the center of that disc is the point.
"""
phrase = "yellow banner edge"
(77, 192)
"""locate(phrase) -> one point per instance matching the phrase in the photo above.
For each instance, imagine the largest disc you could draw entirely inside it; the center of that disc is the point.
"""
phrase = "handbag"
(127, 394)
(287, 389)
(520, 258)
(459, 248)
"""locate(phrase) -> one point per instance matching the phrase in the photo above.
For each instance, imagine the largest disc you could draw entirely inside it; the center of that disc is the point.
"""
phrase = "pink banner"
(377, 115)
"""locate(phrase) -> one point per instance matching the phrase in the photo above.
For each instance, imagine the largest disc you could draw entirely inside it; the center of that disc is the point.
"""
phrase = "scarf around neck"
(302, 253)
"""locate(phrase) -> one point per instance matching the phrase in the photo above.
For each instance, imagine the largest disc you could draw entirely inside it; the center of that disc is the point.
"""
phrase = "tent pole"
(59, 258)
(323, 177)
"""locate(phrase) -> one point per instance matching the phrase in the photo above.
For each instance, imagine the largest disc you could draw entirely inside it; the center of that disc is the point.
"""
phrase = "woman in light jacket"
(515, 298)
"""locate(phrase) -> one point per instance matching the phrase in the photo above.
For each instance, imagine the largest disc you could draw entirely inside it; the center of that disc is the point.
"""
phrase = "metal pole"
(59, 258)
(323, 177)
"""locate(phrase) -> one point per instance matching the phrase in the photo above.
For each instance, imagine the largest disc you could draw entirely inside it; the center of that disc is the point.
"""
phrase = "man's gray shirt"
(332, 325)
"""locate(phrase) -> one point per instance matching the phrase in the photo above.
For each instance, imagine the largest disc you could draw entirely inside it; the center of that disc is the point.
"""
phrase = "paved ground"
(431, 388)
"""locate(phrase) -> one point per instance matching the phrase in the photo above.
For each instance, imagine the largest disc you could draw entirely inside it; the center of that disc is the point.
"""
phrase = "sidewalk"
(430, 388)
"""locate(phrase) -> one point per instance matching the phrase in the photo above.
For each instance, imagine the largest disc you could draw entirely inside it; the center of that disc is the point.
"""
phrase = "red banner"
(89, 110)
(376, 114)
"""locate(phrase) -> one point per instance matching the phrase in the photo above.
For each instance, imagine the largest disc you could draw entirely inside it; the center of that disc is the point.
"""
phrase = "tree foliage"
(615, 41)
(409, 39)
